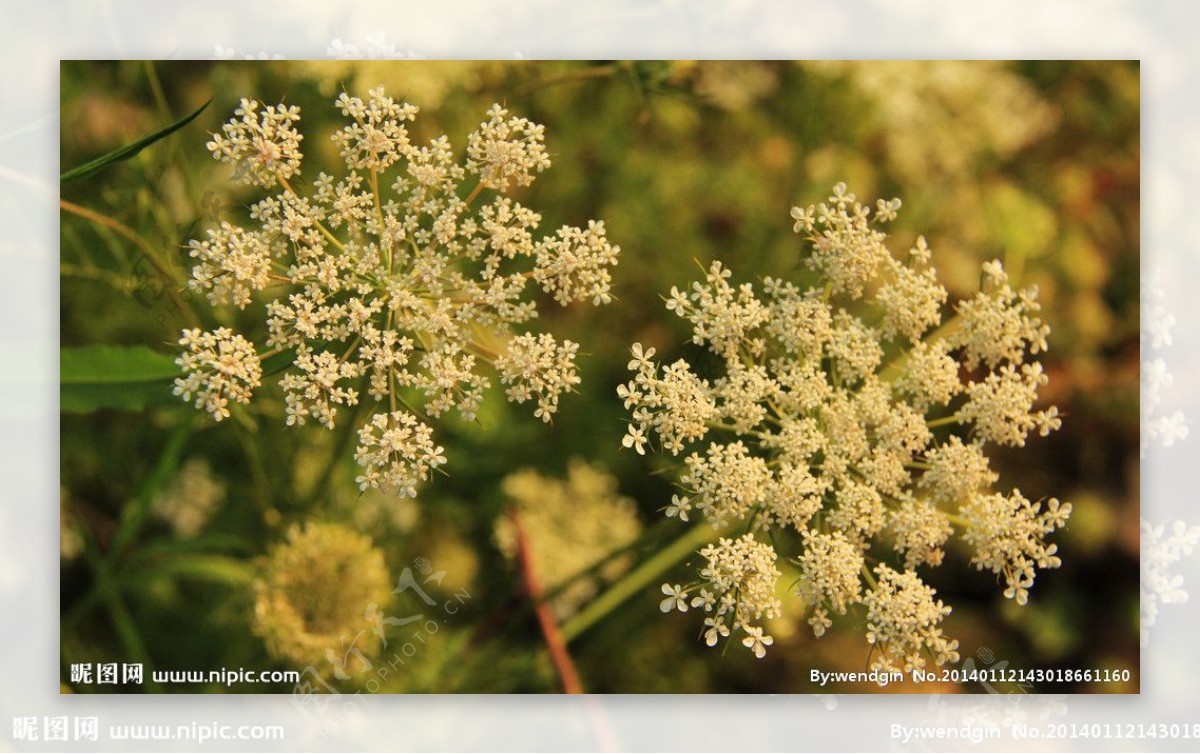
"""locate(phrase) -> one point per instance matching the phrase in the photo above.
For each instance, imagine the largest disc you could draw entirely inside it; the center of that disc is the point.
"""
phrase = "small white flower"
(805, 218)
(704, 600)
(677, 302)
(819, 622)
(679, 507)
(886, 209)
(635, 438)
(716, 630)
(1171, 428)
(920, 252)
(676, 599)
(756, 640)
(640, 358)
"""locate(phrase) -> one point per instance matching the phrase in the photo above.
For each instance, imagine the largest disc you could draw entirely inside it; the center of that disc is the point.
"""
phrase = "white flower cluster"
(904, 622)
(736, 590)
(822, 417)
(263, 146)
(538, 367)
(392, 294)
(219, 367)
(1009, 533)
(1157, 323)
(1160, 551)
(396, 451)
(506, 151)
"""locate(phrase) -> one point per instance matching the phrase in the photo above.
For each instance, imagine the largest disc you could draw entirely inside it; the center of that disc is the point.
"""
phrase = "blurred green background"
(167, 518)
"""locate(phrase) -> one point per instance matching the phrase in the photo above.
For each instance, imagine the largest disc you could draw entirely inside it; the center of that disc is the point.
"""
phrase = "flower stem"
(870, 577)
(148, 251)
(555, 643)
(955, 519)
(638, 578)
(474, 194)
(341, 448)
(952, 419)
(123, 623)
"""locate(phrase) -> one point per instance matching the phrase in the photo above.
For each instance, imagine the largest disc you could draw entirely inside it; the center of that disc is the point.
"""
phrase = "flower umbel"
(313, 593)
(400, 282)
(736, 590)
(219, 367)
(822, 417)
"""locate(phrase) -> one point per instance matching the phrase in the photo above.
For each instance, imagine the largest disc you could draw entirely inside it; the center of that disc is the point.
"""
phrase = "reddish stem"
(550, 631)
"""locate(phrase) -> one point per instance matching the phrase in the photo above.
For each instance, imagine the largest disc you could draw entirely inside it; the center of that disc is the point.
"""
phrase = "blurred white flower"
(1156, 325)
(376, 48)
(1161, 551)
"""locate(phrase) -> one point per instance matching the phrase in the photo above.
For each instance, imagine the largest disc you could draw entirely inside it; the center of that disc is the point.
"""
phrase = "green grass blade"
(129, 150)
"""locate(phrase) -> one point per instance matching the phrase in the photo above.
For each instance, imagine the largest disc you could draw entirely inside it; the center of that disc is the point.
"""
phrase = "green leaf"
(127, 378)
(203, 567)
(118, 377)
(211, 543)
(129, 150)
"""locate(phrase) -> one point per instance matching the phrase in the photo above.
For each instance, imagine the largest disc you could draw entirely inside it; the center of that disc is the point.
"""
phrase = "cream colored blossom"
(314, 391)
(818, 412)
(727, 484)
(911, 302)
(377, 138)
(396, 451)
(956, 472)
(930, 376)
(854, 348)
(722, 315)
(262, 145)
(540, 368)
(920, 530)
(904, 622)
(736, 590)
(232, 265)
(677, 406)
(999, 323)
(573, 264)
(1001, 406)
(218, 367)
(404, 276)
(846, 249)
(1009, 537)
(507, 151)
(830, 569)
